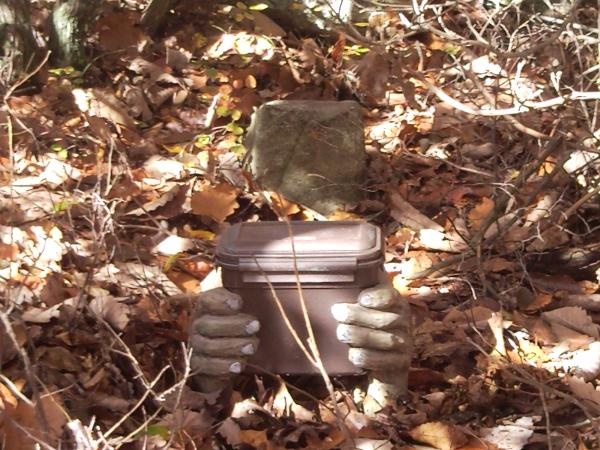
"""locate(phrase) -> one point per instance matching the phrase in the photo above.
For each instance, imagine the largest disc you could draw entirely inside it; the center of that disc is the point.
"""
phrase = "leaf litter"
(483, 175)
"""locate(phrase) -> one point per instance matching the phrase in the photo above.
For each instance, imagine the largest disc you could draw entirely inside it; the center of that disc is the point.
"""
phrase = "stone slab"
(311, 151)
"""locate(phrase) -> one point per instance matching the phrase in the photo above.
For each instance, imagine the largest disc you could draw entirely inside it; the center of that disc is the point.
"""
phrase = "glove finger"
(218, 301)
(382, 296)
(353, 314)
(224, 347)
(226, 326)
(378, 359)
(207, 365)
(368, 338)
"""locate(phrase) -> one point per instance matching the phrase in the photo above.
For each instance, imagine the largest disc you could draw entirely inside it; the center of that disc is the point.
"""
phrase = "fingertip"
(248, 349)
(234, 303)
(252, 327)
(343, 333)
(340, 312)
(235, 367)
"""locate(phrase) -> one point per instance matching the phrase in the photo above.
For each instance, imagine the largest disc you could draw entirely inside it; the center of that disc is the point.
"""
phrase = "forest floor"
(482, 130)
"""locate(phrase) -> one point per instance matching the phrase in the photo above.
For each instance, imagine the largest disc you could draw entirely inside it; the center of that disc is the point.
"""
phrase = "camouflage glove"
(378, 331)
(221, 337)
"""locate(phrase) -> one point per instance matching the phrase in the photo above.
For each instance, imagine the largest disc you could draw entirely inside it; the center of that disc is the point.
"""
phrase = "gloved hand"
(221, 337)
(378, 331)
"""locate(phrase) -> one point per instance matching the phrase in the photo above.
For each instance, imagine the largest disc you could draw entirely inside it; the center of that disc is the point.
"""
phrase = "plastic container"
(334, 262)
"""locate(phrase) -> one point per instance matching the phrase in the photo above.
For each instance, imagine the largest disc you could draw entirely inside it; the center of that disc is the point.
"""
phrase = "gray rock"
(311, 151)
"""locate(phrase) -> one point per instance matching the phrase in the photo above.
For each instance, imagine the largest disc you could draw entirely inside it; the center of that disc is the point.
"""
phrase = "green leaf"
(212, 73)
(234, 128)
(61, 152)
(236, 114)
(168, 265)
(62, 205)
(258, 7)
(158, 430)
(202, 140)
(223, 111)
(238, 150)
(60, 71)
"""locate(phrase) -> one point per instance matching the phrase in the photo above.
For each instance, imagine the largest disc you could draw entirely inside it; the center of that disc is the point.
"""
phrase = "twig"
(547, 418)
(140, 401)
(523, 107)
(575, 206)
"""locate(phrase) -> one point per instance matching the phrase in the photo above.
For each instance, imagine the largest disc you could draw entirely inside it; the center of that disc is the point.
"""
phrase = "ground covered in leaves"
(482, 132)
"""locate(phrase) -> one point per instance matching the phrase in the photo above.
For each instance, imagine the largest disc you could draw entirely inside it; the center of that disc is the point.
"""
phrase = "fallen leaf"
(111, 309)
(571, 320)
(263, 24)
(438, 240)
(586, 363)
(440, 435)
(162, 168)
(158, 202)
(480, 212)
(216, 202)
(498, 265)
(187, 426)
(584, 391)
(408, 215)
(172, 245)
(104, 104)
(23, 428)
(118, 30)
(281, 206)
(57, 172)
(284, 405)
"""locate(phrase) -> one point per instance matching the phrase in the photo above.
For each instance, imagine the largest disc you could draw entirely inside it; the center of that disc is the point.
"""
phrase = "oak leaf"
(440, 435)
(216, 202)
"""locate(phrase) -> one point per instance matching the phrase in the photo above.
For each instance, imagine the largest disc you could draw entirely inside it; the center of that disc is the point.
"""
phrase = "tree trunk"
(154, 14)
(18, 48)
(316, 18)
(68, 26)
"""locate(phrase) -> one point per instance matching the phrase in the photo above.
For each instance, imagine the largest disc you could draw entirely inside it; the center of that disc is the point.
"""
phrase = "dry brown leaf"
(570, 321)
(8, 252)
(96, 102)
(283, 207)
(59, 358)
(284, 405)
(25, 417)
(111, 309)
(478, 214)
(118, 30)
(373, 72)
(188, 427)
(512, 435)
(158, 202)
(256, 439)
(475, 315)
(408, 215)
(440, 435)
(582, 390)
(216, 202)
(264, 25)
(498, 265)
(7, 401)
(537, 302)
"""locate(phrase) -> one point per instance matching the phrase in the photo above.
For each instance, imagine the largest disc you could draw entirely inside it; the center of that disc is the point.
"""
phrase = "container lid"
(311, 240)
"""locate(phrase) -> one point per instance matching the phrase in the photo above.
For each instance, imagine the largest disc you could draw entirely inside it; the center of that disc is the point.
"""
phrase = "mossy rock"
(310, 151)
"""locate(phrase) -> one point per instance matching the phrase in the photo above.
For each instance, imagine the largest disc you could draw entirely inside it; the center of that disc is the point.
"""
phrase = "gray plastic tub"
(334, 261)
